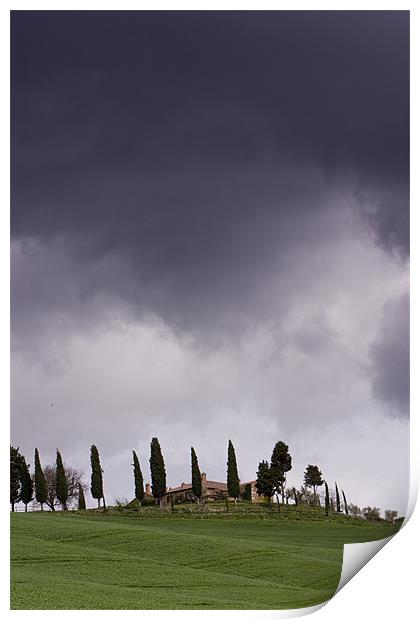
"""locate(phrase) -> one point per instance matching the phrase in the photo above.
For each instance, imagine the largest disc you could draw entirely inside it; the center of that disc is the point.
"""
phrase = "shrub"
(246, 493)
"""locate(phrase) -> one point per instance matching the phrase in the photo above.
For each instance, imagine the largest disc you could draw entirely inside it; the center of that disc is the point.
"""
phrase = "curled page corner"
(356, 556)
(297, 613)
(285, 613)
(305, 611)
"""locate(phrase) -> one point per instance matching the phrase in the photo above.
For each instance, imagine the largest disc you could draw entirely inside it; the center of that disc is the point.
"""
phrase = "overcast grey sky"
(210, 226)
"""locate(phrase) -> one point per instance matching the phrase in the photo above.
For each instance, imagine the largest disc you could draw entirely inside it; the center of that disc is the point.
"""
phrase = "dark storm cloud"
(198, 149)
(216, 257)
(388, 214)
(194, 198)
(390, 355)
(191, 164)
(97, 92)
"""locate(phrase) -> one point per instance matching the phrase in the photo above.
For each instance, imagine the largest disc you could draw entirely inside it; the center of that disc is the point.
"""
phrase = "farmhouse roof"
(210, 484)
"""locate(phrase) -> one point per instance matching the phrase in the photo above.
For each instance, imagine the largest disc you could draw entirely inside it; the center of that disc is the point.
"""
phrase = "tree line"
(52, 485)
(62, 485)
(271, 480)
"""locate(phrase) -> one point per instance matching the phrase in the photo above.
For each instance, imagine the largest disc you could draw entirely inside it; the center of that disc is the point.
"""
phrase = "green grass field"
(180, 561)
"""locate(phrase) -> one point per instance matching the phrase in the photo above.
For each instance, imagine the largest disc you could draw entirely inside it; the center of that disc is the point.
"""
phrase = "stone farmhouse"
(212, 490)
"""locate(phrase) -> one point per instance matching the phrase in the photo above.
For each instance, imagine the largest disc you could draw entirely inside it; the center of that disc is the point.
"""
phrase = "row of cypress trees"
(329, 504)
(313, 478)
(22, 486)
(96, 482)
(158, 473)
(271, 478)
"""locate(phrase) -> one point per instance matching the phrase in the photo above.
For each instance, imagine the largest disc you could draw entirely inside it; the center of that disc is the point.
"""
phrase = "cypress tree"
(327, 499)
(196, 483)
(138, 480)
(345, 503)
(61, 482)
(27, 485)
(337, 499)
(233, 485)
(157, 470)
(81, 505)
(41, 486)
(96, 482)
(15, 476)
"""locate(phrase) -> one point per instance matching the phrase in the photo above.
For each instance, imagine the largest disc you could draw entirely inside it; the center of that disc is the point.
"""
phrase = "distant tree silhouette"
(157, 470)
(337, 499)
(138, 480)
(41, 486)
(196, 482)
(61, 485)
(313, 478)
(327, 498)
(27, 484)
(233, 485)
(96, 480)
(16, 463)
(346, 508)
(81, 504)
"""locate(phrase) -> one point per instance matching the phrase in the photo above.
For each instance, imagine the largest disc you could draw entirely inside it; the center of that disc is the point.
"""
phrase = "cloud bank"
(210, 241)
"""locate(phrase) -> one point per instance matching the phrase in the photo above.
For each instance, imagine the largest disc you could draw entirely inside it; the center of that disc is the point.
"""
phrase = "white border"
(386, 587)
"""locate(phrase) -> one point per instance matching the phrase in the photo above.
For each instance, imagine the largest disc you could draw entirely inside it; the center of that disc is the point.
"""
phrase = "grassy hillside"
(180, 561)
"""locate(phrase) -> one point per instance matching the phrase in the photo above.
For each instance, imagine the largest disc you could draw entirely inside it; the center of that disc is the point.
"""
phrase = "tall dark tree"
(233, 486)
(96, 481)
(16, 462)
(61, 485)
(265, 483)
(313, 478)
(81, 502)
(41, 486)
(337, 499)
(281, 463)
(138, 480)
(327, 499)
(157, 470)
(26, 484)
(295, 495)
(196, 482)
(346, 508)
